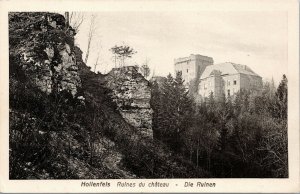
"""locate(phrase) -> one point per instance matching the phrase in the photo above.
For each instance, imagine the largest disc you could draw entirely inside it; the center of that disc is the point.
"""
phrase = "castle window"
(228, 92)
(228, 83)
(234, 82)
(187, 70)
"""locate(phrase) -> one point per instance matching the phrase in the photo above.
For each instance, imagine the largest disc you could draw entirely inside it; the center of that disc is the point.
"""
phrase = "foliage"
(242, 136)
(172, 109)
(60, 136)
(121, 53)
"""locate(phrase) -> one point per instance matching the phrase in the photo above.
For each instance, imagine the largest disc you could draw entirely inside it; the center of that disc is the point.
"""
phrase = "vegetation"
(121, 53)
(92, 30)
(242, 136)
(145, 69)
(60, 136)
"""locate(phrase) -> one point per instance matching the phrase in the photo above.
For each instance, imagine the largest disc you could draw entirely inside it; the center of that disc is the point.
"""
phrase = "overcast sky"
(256, 39)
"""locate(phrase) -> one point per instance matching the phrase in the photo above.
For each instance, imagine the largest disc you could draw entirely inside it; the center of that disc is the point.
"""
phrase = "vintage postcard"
(149, 96)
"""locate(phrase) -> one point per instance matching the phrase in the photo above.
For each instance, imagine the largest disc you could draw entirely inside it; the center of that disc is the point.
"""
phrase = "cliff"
(51, 133)
(43, 47)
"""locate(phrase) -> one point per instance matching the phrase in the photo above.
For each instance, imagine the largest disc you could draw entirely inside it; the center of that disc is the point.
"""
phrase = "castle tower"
(192, 67)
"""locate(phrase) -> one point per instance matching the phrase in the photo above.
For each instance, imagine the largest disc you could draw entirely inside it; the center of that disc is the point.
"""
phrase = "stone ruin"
(132, 94)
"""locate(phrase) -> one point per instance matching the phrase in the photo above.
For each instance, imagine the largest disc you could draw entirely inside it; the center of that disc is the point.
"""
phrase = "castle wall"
(213, 84)
(187, 68)
(230, 79)
(250, 82)
(192, 67)
(232, 84)
(207, 86)
(201, 63)
(228, 85)
(218, 87)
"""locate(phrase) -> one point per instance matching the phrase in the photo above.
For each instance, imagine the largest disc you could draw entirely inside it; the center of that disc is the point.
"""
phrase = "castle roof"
(227, 69)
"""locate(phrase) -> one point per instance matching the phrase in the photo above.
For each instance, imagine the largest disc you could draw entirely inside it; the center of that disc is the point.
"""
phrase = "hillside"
(64, 121)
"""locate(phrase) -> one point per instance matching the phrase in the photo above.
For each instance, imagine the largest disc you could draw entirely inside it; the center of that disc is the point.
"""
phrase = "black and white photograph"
(150, 95)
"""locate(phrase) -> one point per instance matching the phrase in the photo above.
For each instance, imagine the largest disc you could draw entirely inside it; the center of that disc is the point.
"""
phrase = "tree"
(145, 69)
(282, 97)
(97, 61)
(155, 103)
(121, 53)
(174, 112)
(92, 30)
(99, 47)
(272, 86)
(211, 102)
(67, 18)
(273, 148)
(75, 20)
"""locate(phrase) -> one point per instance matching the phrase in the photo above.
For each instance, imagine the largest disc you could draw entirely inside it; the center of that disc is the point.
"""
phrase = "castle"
(219, 79)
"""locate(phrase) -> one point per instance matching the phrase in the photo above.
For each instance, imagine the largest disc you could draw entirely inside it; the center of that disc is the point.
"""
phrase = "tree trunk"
(88, 50)
(90, 37)
(67, 18)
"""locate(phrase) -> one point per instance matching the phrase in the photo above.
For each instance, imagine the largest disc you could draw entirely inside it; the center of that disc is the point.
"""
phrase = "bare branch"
(92, 30)
(76, 19)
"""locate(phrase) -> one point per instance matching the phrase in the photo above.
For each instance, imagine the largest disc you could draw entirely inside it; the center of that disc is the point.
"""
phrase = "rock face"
(45, 51)
(132, 94)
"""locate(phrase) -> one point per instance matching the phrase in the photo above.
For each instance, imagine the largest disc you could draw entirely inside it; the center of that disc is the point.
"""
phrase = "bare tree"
(76, 19)
(145, 70)
(92, 30)
(67, 18)
(97, 61)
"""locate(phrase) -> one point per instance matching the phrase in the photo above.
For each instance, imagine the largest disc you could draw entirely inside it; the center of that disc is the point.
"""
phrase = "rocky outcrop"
(55, 136)
(43, 46)
(132, 94)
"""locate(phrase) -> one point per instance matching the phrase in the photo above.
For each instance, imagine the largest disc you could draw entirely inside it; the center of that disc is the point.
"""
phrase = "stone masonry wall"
(132, 93)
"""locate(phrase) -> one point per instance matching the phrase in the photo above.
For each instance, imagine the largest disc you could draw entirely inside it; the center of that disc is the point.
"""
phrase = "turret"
(193, 66)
